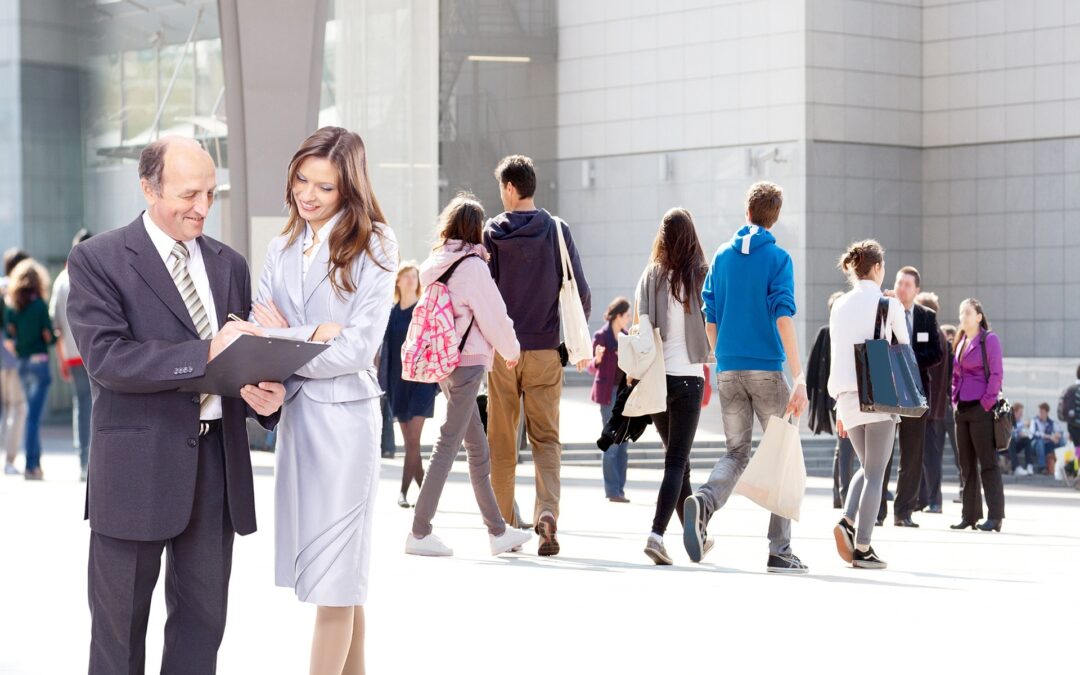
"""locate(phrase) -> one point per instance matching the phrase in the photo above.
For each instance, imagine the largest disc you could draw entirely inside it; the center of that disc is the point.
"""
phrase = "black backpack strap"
(882, 317)
(450, 270)
(986, 363)
(445, 277)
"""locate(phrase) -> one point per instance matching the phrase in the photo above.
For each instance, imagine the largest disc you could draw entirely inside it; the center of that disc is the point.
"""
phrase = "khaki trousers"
(536, 381)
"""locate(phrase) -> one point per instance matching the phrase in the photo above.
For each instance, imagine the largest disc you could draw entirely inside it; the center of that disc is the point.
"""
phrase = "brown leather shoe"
(619, 500)
(36, 474)
(546, 529)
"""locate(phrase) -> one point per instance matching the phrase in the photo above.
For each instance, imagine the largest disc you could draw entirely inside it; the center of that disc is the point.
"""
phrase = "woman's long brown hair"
(361, 216)
(678, 254)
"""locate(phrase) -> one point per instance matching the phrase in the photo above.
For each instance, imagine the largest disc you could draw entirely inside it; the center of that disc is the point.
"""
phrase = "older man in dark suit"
(171, 469)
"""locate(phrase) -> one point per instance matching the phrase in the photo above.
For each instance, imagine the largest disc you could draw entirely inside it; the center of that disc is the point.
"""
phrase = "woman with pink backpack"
(458, 354)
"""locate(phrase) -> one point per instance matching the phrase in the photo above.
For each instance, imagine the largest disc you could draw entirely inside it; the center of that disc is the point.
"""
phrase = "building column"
(273, 61)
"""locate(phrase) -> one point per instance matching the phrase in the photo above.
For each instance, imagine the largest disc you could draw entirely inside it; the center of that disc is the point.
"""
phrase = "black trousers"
(843, 458)
(677, 427)
(978, 462)
(933, 455)
(123, 573)
(912, 439)
(950, 433)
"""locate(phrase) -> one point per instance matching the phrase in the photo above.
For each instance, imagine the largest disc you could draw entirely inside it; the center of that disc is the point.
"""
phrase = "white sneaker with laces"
(1030, 470)
(510, 540)
(428, 546)
(1020, 471)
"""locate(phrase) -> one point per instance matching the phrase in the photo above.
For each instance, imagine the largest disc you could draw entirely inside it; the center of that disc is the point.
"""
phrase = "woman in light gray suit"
(329, 277)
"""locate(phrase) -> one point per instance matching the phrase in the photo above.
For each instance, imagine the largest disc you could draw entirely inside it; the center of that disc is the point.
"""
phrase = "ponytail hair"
(860, 258)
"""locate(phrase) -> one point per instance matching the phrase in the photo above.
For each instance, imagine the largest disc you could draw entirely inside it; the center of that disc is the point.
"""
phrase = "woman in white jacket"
(852, 322)
(329, 278)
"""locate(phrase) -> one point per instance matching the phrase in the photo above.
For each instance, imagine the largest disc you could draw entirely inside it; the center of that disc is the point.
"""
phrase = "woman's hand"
(840, 430)
(598, 353)
(269, 316)
(326, 332)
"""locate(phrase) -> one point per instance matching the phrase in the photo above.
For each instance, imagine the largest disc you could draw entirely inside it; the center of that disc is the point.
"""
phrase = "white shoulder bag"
(637, 349)
(650, 392)
(574, 325)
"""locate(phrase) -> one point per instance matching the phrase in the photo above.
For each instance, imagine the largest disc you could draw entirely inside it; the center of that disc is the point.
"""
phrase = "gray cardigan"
(651, 298)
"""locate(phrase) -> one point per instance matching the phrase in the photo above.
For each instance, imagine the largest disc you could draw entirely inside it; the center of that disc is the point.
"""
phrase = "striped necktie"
(182, 278)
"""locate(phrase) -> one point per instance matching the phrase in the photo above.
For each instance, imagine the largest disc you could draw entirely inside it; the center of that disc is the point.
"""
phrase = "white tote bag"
(637, 349)
(575, 326)
(576, 336)
(776, 475)
(650, 393)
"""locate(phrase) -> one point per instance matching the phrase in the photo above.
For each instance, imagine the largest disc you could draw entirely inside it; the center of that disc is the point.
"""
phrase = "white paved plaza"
(981, 602)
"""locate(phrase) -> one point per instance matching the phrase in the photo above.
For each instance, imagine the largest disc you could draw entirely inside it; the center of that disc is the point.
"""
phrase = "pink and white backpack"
(431, 350)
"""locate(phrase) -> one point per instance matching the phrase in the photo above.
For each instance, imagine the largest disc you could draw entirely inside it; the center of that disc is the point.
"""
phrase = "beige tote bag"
(776, 476)
(650, 394)
(575, 326)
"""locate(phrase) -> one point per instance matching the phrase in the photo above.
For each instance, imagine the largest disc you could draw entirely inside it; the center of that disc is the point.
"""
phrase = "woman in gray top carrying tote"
(669, 292)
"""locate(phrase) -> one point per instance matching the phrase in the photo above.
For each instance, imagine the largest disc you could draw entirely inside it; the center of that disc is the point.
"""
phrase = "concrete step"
(817, 454)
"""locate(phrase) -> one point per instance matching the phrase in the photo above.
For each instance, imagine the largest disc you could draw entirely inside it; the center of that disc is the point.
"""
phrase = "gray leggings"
(873, 445)
(462, 425)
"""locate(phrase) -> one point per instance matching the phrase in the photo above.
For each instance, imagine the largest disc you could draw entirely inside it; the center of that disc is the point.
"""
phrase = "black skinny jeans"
(978, 460)
(677, 426)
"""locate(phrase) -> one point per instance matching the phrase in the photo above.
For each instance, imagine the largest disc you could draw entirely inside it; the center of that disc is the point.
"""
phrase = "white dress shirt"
(309, 237)
(197, 269)
(851, 323)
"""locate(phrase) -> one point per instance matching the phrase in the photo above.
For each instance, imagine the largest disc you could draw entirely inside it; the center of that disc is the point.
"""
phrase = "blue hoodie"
(749, 286)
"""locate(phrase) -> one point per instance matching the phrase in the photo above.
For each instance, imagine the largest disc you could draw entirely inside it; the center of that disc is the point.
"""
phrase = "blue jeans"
(35, 379)
(1043, 447)
(81, 413)
(615, 459)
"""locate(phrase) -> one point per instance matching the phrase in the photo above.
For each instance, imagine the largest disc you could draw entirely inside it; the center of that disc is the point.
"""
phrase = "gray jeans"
(743, 395)
(462, 425)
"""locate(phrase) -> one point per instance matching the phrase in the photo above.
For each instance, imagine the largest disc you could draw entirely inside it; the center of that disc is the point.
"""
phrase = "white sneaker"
(1020, 471)
(510, 540)
(10, 469)
(1030, 470)
(429, 546)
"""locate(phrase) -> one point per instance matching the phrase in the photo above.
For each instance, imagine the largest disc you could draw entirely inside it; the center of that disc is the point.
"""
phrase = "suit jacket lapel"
(217, 271)
(147, 262)
(293, 271)
(319, 270)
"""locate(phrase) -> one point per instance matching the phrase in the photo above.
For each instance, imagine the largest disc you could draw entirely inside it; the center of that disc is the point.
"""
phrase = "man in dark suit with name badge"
(170, 470)
(923, 327)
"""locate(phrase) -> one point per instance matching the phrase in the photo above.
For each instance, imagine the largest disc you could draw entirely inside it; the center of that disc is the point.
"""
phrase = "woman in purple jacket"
(605, 366)
(974, 393)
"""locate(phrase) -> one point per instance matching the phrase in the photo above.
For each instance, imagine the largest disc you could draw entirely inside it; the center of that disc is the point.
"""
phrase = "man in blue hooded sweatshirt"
(525, 263)
(749, 301)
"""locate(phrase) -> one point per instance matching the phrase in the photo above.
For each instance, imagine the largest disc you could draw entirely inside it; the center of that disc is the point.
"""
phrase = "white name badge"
(922, 337)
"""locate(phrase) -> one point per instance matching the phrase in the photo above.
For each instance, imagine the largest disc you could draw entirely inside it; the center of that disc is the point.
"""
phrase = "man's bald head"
(178, 180)
(152, 158)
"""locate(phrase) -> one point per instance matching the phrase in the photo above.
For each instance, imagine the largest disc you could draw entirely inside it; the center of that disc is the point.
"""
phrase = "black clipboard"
(250, 360)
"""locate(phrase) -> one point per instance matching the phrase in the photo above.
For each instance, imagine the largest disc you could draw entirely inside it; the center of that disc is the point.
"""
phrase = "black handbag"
(1002, 410)
(888, 374)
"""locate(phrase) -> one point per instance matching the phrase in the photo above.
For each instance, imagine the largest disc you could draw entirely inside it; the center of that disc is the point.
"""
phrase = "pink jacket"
(474, 294)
